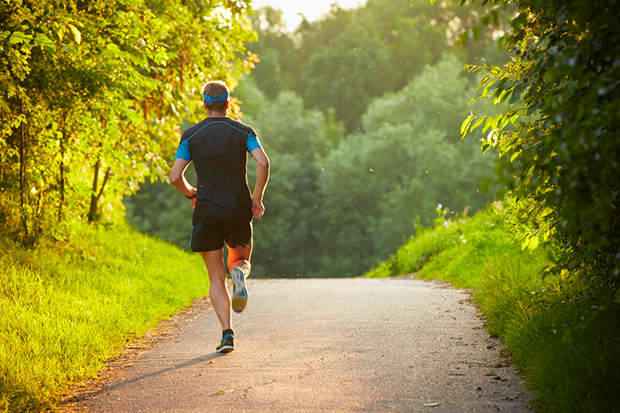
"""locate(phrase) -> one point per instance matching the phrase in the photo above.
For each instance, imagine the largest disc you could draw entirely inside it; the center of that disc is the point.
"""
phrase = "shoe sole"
(225, 349)
(240, 292)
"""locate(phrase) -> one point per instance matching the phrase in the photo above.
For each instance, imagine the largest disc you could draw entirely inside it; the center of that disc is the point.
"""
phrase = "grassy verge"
(568, 349)
(67, 307)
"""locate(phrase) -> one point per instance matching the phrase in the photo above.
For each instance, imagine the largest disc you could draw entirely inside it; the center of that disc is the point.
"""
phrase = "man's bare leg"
(240, 257)
(239, 265)
(220, 297)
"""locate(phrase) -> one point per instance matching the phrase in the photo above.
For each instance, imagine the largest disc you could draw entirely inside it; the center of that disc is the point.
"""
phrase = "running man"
(223, 205)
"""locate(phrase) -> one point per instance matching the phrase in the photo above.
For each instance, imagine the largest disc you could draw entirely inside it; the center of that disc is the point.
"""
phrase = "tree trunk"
(96, 196)
(92, 213)
(22, 175)
(62, 170)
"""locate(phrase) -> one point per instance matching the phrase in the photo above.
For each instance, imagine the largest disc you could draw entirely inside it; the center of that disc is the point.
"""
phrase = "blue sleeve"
(183, 151)
(252, 142)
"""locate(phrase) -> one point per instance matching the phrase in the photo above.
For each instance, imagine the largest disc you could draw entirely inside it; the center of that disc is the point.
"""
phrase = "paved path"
(326, 345)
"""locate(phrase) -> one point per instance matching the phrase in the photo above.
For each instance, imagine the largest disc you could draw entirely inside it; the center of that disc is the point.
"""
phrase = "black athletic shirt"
(218, 146)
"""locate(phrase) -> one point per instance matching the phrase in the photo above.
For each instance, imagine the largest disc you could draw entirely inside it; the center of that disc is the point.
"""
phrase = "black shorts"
(210, 234)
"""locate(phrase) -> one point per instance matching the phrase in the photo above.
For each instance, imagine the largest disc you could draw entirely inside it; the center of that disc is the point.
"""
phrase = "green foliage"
(347, 74)
(453, 249)
(279, 62)
(349, 57)
(337, 204)
(296, 141)
(567, 350)
(158, 209)
(68, 306)
(91, 94)
(565, 150)
(408, 160)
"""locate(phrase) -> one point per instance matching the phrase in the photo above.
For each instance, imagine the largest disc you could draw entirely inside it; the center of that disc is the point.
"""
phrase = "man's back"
(218, 146)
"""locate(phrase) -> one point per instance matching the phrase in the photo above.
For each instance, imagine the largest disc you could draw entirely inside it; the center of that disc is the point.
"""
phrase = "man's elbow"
(175, 178)
(263, 163)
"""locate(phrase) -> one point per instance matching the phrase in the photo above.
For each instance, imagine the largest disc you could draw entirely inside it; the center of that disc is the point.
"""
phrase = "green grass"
(69, 306)
(568, 349)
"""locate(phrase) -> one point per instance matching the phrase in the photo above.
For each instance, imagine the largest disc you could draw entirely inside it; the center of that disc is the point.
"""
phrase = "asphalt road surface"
(323, 345)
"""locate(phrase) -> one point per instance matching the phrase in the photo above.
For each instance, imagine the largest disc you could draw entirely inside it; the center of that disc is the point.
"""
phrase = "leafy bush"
(564, 85)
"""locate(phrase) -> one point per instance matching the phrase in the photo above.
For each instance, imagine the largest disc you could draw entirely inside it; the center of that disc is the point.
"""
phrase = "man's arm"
(262, 177)
(177, 178)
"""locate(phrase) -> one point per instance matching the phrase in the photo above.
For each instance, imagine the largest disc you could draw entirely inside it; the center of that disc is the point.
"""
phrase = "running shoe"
(240, 292)
(226, 345)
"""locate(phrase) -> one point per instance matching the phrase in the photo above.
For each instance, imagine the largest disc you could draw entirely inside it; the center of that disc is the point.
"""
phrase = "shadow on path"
(105, 389)
(197, 360)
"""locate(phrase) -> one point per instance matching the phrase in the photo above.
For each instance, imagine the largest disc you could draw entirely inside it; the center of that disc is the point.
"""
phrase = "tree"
(91, 95)
(348, 57)
(379, 185)
(279, 63)
(564, 88)
(414, 34)
(337, 203)
(347, 74)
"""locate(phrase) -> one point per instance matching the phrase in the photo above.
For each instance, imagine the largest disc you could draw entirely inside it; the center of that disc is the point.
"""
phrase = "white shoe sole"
(240, 292)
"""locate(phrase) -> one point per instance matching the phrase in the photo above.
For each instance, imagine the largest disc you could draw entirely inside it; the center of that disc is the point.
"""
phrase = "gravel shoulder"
(313, 345)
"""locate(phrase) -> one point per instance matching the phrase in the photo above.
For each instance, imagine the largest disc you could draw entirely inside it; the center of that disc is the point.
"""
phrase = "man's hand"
(258, 209)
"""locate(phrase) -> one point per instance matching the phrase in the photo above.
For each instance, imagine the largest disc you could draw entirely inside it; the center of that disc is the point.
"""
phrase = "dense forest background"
(360, 113)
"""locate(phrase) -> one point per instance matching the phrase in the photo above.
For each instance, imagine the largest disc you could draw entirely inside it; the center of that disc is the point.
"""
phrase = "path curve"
(325, 345)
